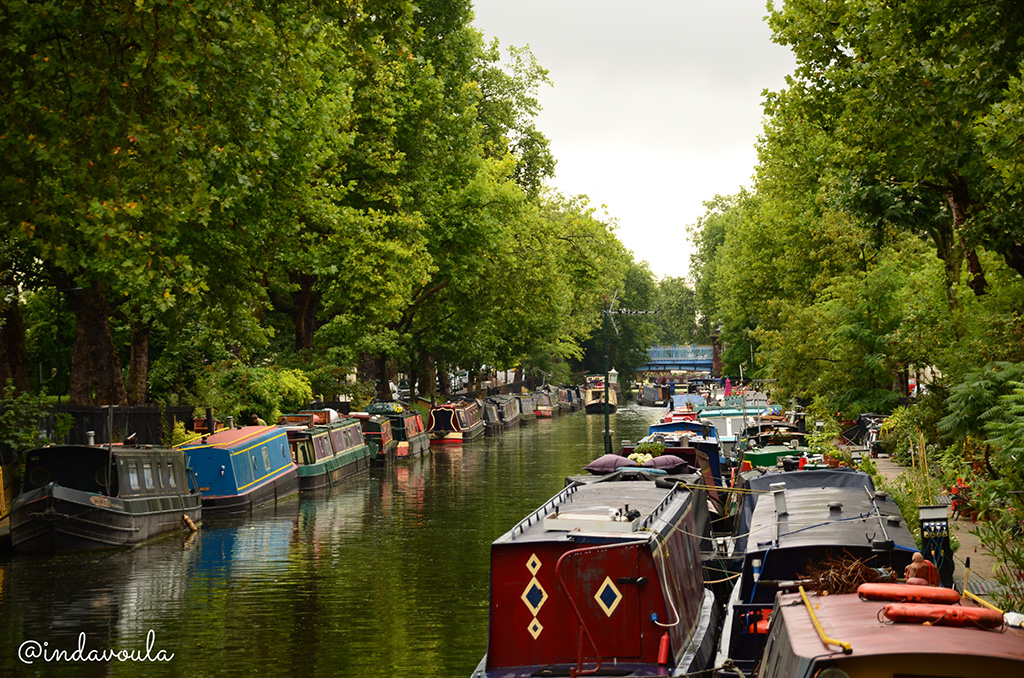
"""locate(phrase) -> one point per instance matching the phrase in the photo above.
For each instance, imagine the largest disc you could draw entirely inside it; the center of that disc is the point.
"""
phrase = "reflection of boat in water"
(242, 468)
(607, 575)
(83, 497)
(108, 595)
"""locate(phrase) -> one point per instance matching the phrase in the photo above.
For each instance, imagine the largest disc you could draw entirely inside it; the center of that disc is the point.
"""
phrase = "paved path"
(982, 577)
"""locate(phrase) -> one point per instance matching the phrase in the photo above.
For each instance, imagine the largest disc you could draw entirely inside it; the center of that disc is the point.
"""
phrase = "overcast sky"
(655, 105)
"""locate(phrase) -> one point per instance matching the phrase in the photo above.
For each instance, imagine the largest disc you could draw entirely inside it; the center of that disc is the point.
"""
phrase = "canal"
(387, 575)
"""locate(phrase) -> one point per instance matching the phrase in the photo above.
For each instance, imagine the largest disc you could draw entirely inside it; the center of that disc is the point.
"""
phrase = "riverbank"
(982, 578)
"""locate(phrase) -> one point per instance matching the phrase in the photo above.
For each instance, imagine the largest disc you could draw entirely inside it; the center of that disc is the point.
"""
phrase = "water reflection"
(385, 573)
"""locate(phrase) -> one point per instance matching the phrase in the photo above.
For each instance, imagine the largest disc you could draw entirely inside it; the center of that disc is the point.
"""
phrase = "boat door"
(608, 589)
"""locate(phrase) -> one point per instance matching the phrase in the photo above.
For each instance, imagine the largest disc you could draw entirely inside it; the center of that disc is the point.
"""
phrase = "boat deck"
(602, 506)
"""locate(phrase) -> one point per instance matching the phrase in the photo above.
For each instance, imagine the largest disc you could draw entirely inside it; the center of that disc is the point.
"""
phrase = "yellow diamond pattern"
(533, 564)
(535, 628)
(608, 596)
(534, 596)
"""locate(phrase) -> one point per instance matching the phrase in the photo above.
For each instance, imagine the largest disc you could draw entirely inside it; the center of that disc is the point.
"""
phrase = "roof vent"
(835, 507)
(893, 520)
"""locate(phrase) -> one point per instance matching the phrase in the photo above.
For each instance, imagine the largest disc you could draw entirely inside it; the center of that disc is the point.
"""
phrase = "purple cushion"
(608, 463)
(669, 463)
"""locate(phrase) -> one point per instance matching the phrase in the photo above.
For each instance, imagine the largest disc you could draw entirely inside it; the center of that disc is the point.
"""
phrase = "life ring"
(908, 593)
(944, 615)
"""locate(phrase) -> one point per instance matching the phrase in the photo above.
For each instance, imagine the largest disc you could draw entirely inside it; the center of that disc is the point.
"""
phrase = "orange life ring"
(944, 615)
(908, 593)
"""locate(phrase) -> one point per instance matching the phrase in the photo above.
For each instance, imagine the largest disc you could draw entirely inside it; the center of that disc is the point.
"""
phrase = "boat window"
(147, 474)
(171, 480)
(133, 475)
(266, 457)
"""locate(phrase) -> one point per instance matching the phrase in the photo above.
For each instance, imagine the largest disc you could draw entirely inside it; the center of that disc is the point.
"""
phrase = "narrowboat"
(848, 636)
(508, 411)
(377, 431)
(789, 521)
(455, 423)
(527, 408)
(86, 497)
(546, 402)
(326, 455)
(653, 395)
(594, 397)
(565, 401)
(492, 420)
(604, 578)
(412, 439)
(239, 469)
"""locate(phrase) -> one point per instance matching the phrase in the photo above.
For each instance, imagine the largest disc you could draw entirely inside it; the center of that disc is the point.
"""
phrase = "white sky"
(655, 108)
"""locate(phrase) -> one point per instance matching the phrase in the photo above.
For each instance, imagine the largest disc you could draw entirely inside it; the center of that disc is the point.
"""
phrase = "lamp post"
(607, 359)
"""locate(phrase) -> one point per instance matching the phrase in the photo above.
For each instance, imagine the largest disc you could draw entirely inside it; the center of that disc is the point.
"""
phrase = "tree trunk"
(13, 357)
(95, 368)
(372, 367)
(959, 202)
(138, 366)
(306, 304)
(952, 258)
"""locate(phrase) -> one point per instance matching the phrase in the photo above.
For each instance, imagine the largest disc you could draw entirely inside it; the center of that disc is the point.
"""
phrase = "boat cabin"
(239, 469)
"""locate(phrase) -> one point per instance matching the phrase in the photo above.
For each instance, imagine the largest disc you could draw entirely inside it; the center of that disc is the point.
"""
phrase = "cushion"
(608, 463)
(669, 463)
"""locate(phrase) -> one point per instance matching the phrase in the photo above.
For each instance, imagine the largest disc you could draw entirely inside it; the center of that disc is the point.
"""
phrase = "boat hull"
(54, 519)
(415, 446)
(330, 472)
(271, 491)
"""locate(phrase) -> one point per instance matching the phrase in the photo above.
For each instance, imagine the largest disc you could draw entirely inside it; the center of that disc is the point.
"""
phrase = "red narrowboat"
(606, 575)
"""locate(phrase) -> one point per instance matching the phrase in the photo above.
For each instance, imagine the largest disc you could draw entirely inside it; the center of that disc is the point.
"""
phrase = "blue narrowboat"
(239, 469)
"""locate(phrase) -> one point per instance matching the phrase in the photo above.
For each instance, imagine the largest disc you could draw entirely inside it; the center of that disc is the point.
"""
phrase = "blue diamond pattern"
(608, 596)
(535, 594)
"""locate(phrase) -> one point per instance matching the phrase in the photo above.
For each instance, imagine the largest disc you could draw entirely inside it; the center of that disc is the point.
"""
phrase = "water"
(386, 575)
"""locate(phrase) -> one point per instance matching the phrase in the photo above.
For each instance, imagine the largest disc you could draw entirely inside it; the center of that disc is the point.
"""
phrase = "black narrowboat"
(86, 497)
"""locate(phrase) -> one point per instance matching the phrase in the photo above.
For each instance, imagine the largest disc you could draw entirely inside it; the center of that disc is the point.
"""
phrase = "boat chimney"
(231, 421)
(90, 438)
(779, 493)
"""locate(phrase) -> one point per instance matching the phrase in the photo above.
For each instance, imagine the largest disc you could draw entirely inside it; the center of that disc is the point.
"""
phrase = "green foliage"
(653, 449)
(19, 420)
(898, 434)
(240, 391)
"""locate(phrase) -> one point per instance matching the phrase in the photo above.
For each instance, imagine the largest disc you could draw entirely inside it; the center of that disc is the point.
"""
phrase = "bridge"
(693, 358)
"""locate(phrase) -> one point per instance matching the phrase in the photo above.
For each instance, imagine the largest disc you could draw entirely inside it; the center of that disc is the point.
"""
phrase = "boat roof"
(864, 517)
(849, 619)
(230, 438)
(587, 507)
